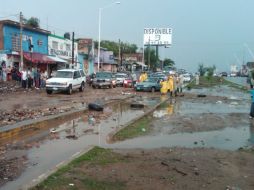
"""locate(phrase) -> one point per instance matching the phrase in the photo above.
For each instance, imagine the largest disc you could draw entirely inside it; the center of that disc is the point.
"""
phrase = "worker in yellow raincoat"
(145, 76)
(164, 87)
(170, 85)
(142, 77)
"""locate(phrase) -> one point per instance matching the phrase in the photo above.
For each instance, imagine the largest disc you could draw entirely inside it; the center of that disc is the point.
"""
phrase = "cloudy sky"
(212, 32)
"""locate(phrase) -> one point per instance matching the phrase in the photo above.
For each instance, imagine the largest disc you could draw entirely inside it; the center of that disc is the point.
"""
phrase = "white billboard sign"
(158, 36)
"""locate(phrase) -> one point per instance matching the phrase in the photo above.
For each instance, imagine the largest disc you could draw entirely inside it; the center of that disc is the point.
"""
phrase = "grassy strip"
(139, 128)
(73, 173)
(205, 82)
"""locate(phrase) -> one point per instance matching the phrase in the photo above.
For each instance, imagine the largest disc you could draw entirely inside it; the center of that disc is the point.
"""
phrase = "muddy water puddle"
(197, 124)
(47, 148)
(228, 138)
(224, 91)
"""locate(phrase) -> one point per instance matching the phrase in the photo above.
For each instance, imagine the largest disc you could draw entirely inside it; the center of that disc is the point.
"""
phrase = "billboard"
(158, 36)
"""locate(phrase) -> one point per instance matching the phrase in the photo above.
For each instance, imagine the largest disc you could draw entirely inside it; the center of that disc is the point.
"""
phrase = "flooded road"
(48, 148)
(184, 122)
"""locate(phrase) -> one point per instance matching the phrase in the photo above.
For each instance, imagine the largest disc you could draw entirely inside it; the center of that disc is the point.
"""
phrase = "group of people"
(173, 84)
(33, 78)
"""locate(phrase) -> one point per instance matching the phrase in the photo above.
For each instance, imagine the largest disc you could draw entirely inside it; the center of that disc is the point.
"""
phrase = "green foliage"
(153, 60)
(33, 22)
(65, 175)
(168, 62)
(210, 71)
(139, 128)
(114, 46)
(201, 69)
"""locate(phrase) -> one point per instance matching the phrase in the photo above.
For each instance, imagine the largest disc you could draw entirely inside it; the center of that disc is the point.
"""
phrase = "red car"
(127, 83)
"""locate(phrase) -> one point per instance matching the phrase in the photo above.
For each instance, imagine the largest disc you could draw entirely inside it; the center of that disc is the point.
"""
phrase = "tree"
(67, 35)
(201, 69)
(114, 46)
(33, 22)
(153, 60)
(168, 62)
(210, 71)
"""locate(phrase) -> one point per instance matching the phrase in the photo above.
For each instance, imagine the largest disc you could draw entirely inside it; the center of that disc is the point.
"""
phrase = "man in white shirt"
(24, 78)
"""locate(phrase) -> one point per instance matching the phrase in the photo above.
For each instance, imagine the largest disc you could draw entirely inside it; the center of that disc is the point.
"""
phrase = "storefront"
(61, 48)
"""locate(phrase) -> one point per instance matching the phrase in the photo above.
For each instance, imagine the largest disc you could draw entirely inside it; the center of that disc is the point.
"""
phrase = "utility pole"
(119, 53)
(72, 54)
(21, 41)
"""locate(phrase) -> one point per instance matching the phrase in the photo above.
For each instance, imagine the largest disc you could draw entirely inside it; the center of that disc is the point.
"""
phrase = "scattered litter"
(71, 137)
(219, 102)
(53, 130)
(71, 184)
(126, 93)
(201, 95)
(91, 120)
(159, 114)
(233, 103)
(143, 129)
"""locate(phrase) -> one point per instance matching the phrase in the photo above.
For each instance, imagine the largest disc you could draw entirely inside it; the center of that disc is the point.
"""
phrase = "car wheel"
(49, 91)
(153, 89)
(82, 87)
(70, 90)
(110, 86)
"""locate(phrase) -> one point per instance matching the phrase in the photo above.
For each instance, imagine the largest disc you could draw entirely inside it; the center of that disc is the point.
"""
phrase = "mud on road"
(174, 168)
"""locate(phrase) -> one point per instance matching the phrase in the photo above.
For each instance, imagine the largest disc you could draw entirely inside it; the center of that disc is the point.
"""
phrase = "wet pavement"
(45, 149)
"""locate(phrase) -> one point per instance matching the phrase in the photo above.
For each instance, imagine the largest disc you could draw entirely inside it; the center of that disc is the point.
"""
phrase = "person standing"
(4, 71)
(164, 87)
(29, 78)
(134, 78)
(170, 85)
(252, 102)
(23, 78)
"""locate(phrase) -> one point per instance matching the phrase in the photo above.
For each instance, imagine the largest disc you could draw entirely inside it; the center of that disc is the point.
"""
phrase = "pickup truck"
(66, 80)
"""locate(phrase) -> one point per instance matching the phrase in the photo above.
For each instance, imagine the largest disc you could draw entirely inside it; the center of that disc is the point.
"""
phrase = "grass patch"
(139, 128)
(73, 173)
(205, 82)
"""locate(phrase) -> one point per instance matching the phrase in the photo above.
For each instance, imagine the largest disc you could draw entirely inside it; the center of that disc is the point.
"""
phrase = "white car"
(186, 77)
(120, 77)
(66, 80)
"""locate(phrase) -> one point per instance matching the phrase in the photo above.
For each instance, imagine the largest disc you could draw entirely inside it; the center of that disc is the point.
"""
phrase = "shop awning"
(38, 58)
(57, 59)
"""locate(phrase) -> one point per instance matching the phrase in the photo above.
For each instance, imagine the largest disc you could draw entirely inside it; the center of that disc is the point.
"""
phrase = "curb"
(110, 136)
(45, 175)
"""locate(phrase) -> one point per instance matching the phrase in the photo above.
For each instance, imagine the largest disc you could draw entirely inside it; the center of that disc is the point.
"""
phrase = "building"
(61, 48)
(107, 61)
(34, 45)
(86, 54)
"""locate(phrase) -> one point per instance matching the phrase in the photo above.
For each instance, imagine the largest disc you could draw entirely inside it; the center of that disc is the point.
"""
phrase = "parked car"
(120, 77)
(104, 79)
(224, 74)
(128, 83)
(151, 84)
(66, 80)
(186, 77)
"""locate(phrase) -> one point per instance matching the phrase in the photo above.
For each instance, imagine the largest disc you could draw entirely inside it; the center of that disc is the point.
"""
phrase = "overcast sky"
(212, 32)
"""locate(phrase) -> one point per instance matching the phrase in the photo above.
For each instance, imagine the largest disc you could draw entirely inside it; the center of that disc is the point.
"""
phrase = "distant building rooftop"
(17, 24)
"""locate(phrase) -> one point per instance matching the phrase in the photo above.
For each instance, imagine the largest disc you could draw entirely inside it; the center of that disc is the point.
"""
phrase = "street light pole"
(99, 43)
(99, 38)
